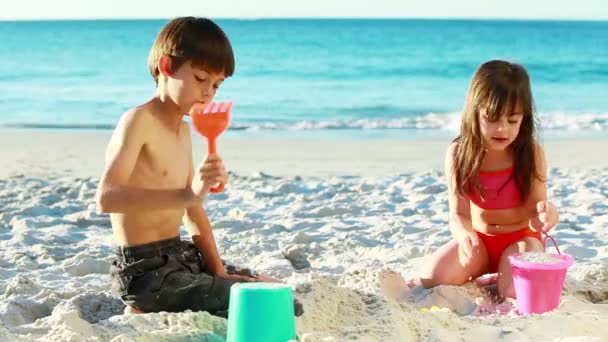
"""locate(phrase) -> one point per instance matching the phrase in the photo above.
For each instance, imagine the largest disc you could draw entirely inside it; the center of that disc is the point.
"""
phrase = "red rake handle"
(212, 149)
(218, 188)
(210, 120)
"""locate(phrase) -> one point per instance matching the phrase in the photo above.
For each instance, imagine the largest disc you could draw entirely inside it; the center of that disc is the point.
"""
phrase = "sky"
(487, 9)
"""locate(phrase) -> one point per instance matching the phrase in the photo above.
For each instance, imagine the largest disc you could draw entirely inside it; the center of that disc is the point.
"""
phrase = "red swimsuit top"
(499, 189)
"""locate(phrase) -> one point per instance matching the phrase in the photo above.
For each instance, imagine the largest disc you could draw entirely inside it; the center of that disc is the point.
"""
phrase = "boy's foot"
(266, 279)
(129, 310)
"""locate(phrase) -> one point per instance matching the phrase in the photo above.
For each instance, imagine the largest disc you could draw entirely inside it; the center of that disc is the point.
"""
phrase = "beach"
(335, 152)
(80, 153)
(324, 215)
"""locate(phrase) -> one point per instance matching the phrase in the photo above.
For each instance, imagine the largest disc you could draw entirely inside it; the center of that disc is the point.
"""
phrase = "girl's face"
(499, 134)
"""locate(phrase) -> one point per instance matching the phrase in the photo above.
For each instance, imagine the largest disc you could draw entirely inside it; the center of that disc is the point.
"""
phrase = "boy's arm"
(198, 226)
(113, 194)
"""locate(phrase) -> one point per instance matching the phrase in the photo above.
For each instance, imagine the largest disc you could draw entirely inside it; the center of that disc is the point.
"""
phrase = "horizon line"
(310, 18)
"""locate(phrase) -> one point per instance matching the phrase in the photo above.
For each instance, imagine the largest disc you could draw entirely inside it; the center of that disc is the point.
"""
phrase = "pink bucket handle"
(547, 236)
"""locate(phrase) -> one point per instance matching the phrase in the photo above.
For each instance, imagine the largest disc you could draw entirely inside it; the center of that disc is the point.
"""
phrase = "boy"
(149, 183)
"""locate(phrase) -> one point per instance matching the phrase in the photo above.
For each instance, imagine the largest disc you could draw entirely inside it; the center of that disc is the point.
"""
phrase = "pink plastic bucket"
(538, 287)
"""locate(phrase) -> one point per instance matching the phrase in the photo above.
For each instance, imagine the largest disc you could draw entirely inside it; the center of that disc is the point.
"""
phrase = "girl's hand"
(468, 247)
(547, 215)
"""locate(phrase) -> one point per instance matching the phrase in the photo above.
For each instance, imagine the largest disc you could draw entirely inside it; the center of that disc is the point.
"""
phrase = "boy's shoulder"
(143, 120)
(134, 125)
(137, 115)
(137, 119)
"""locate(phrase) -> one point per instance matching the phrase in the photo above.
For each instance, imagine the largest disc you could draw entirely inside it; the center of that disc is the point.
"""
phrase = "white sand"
(40, 152)
(327, 217)
(538, 258)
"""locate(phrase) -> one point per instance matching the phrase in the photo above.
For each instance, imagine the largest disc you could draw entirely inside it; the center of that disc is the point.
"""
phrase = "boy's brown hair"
(198, 40)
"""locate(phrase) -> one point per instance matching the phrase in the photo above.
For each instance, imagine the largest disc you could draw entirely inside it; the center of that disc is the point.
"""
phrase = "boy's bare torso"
(163, 163)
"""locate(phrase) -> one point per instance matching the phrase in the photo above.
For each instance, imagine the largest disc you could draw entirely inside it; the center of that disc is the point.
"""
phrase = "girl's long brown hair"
(497, 87)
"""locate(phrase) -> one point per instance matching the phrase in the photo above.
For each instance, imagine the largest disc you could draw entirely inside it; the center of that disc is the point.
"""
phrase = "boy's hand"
(226, 275)
(208, 174)
(547, 215)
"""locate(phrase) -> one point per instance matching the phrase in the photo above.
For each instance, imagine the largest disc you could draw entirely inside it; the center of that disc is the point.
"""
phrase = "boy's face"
(499, 134)
(189, 84)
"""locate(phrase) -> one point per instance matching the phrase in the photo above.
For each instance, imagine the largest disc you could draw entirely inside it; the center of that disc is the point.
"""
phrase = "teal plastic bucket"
(261, 312)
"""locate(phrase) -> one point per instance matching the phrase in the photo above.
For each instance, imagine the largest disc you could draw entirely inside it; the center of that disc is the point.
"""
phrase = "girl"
(496, 175)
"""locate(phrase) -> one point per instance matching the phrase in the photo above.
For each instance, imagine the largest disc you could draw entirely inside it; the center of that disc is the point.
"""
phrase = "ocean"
(342, 76)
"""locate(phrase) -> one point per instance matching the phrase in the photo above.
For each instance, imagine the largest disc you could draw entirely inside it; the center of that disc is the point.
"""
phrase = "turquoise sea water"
(340, 75)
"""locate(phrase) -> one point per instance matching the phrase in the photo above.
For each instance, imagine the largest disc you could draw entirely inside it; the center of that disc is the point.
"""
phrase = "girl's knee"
(527, 244)
(505, 288)
(531, 244)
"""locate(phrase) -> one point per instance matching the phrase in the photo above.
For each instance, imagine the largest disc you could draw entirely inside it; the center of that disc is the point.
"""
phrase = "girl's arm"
(460, 207)
(543, 214)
